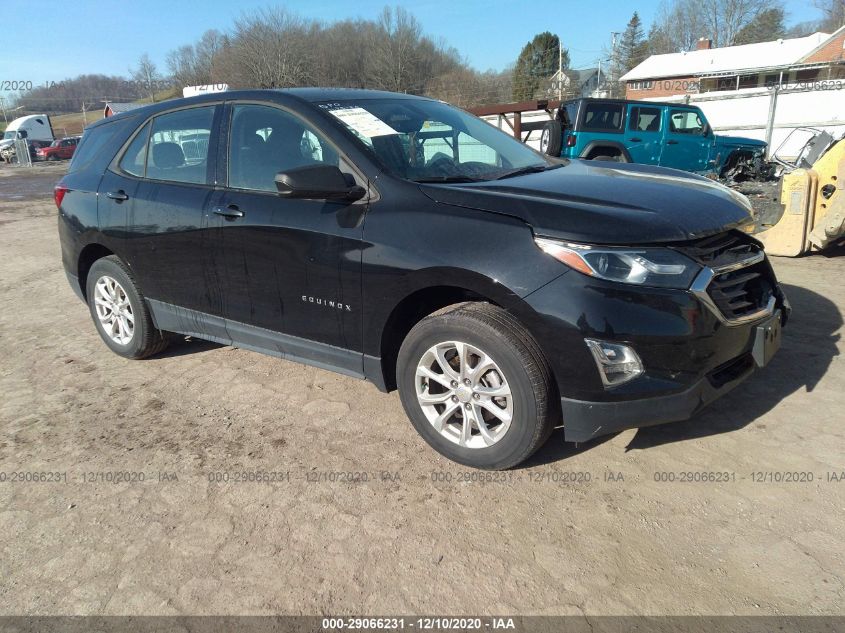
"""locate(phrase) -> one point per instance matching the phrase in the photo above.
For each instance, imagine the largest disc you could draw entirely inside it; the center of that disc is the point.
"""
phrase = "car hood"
(606, 203)
(739, 141)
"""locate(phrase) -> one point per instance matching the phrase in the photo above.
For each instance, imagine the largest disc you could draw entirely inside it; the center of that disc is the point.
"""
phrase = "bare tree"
(146, 76)
(833, 12)
(392, 51)
(274, 48)
(193, 65)
(681, 23)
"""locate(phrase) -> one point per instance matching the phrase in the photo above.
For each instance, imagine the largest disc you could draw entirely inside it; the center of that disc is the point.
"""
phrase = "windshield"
(429, 141)
(8, 135)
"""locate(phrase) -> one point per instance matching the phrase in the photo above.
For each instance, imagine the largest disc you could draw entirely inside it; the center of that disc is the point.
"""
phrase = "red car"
(59, 149)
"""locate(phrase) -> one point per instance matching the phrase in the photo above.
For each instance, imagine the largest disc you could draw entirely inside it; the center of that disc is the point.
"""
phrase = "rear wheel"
(120, 312)
(476, 386)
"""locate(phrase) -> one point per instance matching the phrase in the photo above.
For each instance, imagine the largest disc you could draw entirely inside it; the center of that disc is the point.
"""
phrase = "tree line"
(274, 48)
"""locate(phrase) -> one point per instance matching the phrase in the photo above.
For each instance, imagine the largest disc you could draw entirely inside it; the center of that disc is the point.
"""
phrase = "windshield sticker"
(363, 122)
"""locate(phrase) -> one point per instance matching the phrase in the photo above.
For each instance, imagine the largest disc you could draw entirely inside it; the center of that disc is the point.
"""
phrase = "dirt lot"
(415, 533)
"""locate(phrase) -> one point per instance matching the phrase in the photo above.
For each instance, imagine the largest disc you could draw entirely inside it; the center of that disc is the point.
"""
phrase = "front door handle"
(119, 195)
(671, 142)
(230, 213)
(636, 140)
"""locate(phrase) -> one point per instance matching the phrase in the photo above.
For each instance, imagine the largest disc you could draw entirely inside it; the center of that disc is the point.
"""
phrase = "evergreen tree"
(766, 27)
(536, 63)
(633, 47)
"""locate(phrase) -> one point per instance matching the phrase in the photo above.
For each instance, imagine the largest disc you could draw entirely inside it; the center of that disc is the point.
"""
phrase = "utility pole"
(613, 64)
(598, 81)
(559, 70)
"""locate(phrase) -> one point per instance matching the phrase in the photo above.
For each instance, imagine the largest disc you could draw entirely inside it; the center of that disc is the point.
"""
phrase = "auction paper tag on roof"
(363, 122)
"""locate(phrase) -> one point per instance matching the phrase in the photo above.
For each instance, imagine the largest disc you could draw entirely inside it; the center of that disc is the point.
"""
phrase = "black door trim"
(172, 318)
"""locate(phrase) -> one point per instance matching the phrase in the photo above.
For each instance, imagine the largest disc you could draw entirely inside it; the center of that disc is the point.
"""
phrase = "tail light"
(59, 195)
(571, 140)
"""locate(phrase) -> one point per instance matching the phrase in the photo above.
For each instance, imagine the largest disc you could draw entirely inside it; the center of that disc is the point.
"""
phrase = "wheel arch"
(734, 155)
(615, 146)
(420, 301)
(89, 254)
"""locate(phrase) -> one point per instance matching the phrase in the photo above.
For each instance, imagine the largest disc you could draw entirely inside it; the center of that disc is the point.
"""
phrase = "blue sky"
(98, 36)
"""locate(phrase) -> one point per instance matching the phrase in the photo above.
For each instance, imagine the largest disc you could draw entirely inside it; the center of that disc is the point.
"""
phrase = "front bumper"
(690, 355)
(587, 420)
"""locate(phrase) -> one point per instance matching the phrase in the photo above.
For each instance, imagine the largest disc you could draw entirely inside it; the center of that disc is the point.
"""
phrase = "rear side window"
(644, 119)
(91, 146)
(569, 114)
(603, 117)
(178, 146)
(135, 158)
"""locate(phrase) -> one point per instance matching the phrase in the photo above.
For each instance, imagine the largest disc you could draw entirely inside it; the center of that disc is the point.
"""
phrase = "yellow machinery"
(814, 207)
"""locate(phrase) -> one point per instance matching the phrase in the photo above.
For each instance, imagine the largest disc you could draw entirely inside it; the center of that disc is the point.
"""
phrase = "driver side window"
(265, 141)
(685, 122)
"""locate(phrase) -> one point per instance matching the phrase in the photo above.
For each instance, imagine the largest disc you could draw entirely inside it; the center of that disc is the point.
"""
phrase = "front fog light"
(617, 363)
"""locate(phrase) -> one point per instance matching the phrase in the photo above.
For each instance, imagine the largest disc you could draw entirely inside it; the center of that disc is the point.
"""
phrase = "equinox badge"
(329, 303)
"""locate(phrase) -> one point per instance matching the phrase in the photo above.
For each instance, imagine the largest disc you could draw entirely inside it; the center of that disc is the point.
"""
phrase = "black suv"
(401, 240)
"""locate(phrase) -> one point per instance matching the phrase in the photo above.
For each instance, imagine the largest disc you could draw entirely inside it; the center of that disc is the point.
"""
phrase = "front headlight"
(648, 266)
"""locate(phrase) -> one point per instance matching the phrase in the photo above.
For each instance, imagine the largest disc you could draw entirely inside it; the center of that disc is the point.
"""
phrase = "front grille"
(724, 249)
(741, 292)
(742, 283)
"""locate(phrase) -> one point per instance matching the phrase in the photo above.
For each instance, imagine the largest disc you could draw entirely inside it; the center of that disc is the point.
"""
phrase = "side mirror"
(706, 131)
(318, 182)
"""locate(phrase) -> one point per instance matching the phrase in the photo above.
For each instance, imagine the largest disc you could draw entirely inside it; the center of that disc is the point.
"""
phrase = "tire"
(515, 364)
(145, 340)
(551, 139)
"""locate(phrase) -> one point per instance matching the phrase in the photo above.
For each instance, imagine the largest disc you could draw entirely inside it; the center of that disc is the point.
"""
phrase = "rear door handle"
(119, 195)
(230, 213)
(671, 142)
(636, 140)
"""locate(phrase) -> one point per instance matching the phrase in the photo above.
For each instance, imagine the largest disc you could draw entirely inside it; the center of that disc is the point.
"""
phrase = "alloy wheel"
(464, 394)
(114, 310)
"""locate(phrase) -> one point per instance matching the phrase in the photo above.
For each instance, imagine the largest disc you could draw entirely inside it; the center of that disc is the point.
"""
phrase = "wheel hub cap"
(114, 310)
(464, 394)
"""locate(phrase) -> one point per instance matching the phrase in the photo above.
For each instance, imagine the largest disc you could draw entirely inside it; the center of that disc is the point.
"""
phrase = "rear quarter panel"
(78, 217)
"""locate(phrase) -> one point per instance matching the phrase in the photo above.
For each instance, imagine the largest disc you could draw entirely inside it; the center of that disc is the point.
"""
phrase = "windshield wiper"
(448, 179)
(531, 169)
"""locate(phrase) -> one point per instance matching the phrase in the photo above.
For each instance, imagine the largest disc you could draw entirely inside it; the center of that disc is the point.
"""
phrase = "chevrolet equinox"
(401, 240)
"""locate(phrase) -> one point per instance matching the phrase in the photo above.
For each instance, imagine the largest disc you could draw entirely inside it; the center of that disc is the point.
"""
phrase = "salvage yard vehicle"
(33, 127)
(812, 200)
(398, 239)
(60, 149)
(648, 132)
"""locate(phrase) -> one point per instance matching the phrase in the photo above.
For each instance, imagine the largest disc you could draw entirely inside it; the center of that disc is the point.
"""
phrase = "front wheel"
(120, 312)
(476, 386)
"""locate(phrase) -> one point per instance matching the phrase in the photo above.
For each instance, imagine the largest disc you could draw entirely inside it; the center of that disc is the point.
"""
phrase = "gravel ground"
(580, 530)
